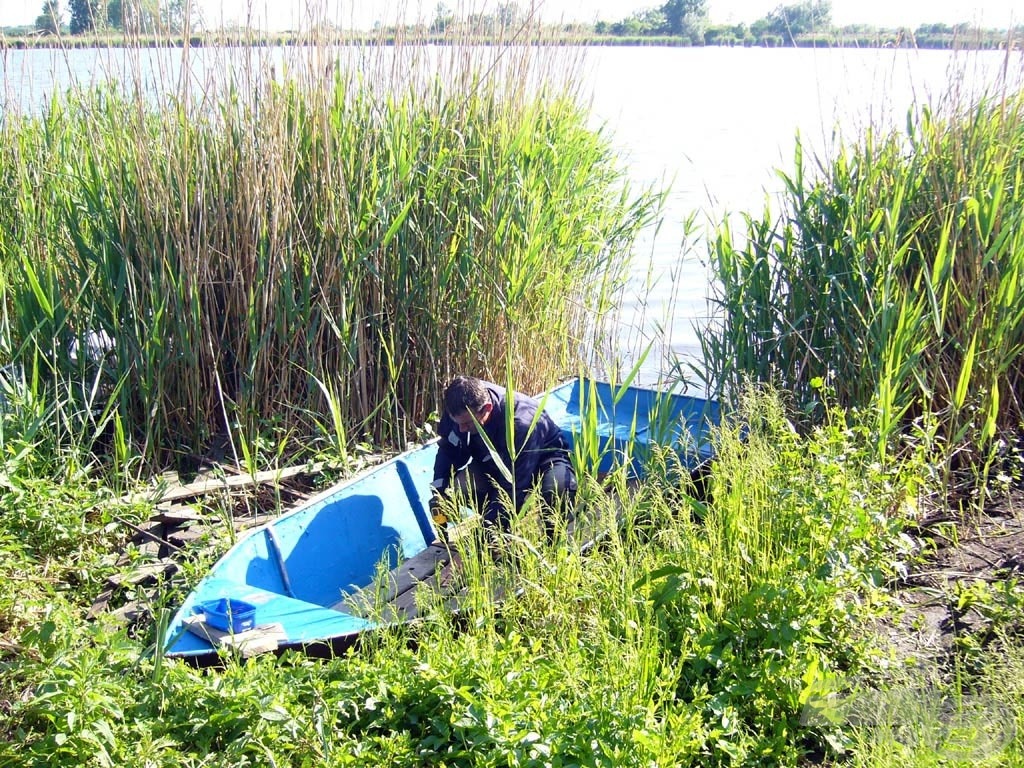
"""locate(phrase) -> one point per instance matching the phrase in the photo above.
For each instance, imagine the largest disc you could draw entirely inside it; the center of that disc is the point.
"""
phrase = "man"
(478, 457)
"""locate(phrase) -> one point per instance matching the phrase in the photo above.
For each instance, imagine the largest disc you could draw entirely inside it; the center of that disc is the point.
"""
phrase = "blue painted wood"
(629, 421)
(298, 569)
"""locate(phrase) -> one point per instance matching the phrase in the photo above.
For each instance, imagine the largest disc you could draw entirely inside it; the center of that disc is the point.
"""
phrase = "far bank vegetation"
(99, 23)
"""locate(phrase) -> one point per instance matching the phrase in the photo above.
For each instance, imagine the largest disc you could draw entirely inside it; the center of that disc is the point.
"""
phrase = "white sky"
(284, 14)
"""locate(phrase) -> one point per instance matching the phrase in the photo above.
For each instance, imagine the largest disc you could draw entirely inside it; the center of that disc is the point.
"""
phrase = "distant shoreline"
(993, 40)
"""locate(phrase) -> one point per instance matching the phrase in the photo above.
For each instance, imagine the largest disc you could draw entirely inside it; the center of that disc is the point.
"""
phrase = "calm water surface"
(712, 123)
(718, 122)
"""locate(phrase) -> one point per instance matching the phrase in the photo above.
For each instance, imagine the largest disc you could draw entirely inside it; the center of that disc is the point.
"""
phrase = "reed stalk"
(893, 274)
(363, 221)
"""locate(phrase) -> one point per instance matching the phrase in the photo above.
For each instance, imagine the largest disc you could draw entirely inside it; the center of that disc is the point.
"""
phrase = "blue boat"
(293, 582)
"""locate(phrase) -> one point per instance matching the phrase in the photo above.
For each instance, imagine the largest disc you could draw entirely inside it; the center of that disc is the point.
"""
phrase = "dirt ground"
(962, 579)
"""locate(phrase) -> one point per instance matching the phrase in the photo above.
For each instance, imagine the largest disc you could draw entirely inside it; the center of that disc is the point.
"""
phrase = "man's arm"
(451, 454)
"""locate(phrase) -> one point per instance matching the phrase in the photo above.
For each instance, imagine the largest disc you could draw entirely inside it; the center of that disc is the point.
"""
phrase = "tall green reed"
(360, 221)
(893, 273)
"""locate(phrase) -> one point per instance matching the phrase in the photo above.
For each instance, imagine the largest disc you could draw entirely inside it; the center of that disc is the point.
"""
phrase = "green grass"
(271, 257)
(693, 635)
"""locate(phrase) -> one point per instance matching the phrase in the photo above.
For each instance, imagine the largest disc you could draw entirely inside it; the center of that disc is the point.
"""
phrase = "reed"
(361, 221)
(893, 274)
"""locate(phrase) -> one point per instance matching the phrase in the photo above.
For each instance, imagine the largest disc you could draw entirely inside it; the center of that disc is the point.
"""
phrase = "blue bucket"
(229, 615)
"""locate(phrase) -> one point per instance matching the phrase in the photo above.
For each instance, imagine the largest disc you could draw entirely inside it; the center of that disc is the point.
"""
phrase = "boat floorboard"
(396, 594)
(395, 597)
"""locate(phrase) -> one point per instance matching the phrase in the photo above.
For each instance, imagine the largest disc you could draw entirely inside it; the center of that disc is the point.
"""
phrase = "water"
(713, 123)
(718, 122)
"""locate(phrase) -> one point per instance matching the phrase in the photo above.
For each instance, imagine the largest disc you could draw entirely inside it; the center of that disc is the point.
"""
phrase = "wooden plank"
(130, 612)
(14, 651)
(146, 574)
(418, 569)
(581, 529)
(400, 581)
(176, 514)
(151, 549)
(261, 639)
(186, 536)
(151, 530)
(211, 485)
(245, 523)
(404, 606)
(445, 585)
(100, 604)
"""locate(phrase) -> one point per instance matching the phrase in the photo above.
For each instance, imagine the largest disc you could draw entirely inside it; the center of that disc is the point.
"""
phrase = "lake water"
(720, 121)
(714, 123)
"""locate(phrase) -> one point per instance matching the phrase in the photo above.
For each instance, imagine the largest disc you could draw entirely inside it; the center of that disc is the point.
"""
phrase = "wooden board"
(254, 641)
(175, 492)
(398, 592)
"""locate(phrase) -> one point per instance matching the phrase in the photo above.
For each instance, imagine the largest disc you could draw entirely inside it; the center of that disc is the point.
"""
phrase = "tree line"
(125, 16)
(801, 23)
(682, 21)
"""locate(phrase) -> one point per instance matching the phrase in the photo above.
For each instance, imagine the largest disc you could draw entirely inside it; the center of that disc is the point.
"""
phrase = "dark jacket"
(538, 443)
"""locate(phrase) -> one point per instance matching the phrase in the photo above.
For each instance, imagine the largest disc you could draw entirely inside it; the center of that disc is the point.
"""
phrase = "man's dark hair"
(465, 393)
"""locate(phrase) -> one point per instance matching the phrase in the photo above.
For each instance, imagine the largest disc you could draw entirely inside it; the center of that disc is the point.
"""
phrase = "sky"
(284, 14)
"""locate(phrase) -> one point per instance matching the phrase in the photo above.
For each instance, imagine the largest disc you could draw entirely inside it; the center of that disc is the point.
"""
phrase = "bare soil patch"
(967, 566)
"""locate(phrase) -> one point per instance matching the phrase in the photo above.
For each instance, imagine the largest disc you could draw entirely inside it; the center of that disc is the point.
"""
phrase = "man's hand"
(440, 518)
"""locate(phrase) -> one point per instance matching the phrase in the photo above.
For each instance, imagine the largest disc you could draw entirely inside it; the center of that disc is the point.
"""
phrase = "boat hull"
(301, 571)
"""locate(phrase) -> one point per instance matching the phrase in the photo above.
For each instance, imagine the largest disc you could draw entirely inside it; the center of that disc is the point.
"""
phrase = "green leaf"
(966, 369)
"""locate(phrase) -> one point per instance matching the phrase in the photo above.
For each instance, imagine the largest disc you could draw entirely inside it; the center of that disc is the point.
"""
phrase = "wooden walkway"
(186, 515)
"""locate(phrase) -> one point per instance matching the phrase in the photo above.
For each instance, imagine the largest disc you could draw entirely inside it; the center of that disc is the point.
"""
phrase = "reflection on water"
(713, 123)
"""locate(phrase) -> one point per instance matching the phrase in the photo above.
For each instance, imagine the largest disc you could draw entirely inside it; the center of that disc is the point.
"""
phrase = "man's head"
(468, 402)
